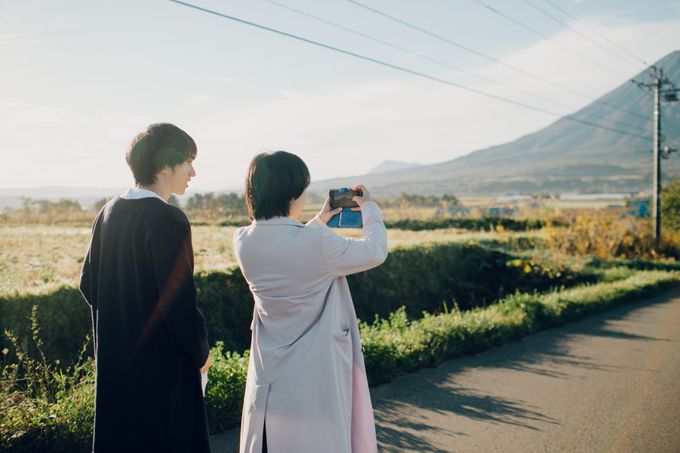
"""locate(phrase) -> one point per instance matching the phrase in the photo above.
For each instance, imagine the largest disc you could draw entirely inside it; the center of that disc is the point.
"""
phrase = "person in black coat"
(149, 336)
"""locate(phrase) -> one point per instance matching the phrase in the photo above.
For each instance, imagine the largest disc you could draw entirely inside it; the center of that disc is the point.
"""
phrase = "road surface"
(609, 383)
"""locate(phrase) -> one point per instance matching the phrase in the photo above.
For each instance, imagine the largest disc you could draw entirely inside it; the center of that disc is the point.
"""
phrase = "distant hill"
(563, 157)
(392, 165)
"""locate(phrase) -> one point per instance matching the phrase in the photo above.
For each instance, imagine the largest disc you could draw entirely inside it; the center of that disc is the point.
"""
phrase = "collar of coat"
(277, 221)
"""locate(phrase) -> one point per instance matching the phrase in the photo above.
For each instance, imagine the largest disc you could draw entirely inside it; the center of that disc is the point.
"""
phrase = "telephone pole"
(659, 82)
(656, 177)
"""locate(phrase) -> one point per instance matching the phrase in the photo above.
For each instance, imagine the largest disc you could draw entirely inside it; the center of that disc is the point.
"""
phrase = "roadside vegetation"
(453, 285)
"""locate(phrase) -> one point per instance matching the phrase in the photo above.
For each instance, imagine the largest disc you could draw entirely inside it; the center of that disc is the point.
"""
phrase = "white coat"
(306, 376)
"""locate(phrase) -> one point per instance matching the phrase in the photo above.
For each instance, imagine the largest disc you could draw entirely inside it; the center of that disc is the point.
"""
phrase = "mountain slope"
(564, 156)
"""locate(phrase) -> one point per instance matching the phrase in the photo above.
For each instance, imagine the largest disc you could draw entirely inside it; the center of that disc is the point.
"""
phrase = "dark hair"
(274, 180)
(160, 145)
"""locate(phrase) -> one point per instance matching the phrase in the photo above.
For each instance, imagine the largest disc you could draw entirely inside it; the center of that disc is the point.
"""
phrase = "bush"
(63, 315)
(43, 407)
(422, 278)
(670, 205)
(483, 224)
(427, 277)
(605, 237)
(58, 416)
(224, 394)
(407, 345)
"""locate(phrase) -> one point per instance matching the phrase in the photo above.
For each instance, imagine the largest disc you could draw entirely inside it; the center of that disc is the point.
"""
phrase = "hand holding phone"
(361, 195)
(350, 201)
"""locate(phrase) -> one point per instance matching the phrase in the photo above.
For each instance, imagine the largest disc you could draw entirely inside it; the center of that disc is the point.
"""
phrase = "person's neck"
(158, 189)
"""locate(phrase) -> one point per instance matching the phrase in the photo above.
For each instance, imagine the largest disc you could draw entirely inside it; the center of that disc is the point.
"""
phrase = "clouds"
(346, 129)
(339, 126)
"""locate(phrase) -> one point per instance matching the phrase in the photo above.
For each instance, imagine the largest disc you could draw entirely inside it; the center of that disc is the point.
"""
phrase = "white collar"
(277, 221)
(137, 193)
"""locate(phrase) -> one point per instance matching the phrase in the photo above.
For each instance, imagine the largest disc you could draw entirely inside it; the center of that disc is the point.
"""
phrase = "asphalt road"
(609, 383)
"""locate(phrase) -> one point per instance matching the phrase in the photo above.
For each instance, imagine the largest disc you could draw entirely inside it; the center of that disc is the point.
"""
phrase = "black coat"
(149, 336)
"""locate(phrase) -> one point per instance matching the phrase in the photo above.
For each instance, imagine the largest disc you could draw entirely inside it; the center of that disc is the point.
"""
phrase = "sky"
(80, 78)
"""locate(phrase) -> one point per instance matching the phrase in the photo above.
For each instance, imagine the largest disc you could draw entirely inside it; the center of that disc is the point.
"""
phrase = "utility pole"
(659, 81)
(656, 183)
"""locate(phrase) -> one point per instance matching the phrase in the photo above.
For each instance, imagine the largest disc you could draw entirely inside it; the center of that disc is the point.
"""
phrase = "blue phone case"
(346, 219)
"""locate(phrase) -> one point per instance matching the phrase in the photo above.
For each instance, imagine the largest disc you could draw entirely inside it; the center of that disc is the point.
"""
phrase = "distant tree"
(450, 199)
(173, 200)
(670, 205)
(213, 206)
(64, 205)
(405, 200)
(99, 204)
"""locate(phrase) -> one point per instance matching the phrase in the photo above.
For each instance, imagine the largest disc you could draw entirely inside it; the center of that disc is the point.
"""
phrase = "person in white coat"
(306, 389)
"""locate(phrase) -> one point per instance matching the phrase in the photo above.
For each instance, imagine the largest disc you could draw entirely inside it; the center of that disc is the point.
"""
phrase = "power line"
(411, 52)
(548, 38)
(401, 68)
(427, 58)
(495, 60)
(557, 7)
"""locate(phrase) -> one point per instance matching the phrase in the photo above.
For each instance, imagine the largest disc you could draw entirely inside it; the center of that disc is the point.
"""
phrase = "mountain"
(392, 165)
(566, 156)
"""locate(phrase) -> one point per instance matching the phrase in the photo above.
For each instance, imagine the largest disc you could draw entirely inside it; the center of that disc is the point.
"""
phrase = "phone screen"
(342, 199)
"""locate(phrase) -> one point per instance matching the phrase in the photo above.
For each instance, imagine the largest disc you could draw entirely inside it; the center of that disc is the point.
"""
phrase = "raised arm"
(344, 256)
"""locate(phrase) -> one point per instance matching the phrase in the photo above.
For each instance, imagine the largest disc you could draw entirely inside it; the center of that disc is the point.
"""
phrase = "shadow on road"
(435, 390)
(403, 434)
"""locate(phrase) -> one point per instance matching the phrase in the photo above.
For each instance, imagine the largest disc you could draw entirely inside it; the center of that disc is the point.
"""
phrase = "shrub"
(224, 394)
(43, 407)
(407, 345)
(421, 277)
(483, 224)
(53, 411)
(425, 277)
(670, 205)
(63, 315)
(604, 236)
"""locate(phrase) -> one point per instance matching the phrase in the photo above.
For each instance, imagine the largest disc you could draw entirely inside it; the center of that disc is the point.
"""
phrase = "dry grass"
(40, 258)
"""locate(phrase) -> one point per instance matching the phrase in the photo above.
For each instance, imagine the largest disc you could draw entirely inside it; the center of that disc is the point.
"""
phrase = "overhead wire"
(548, 38)
(411, 52)
(613, 43)
(495, 60)
(428, 58)
(401, 68)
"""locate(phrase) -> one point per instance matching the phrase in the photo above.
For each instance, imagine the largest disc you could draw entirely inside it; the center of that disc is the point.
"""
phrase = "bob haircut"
(160, 145)
(274, 180)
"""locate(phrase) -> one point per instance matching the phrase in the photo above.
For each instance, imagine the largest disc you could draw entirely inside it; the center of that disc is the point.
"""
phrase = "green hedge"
(482, 224)
(63, 315)
(391, 347)
(397, 345)
(424, 277)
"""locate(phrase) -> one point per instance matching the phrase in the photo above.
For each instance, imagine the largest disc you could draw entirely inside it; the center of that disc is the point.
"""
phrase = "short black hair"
(160, 145)
(274, 180)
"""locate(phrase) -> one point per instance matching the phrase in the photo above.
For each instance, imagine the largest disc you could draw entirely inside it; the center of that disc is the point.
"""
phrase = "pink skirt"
(363, 424)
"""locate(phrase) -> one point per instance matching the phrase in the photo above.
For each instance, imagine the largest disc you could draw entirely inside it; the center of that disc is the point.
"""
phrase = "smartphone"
(342, 198)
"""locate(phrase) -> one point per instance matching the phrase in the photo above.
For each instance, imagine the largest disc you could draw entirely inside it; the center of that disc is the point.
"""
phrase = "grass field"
(41, 258)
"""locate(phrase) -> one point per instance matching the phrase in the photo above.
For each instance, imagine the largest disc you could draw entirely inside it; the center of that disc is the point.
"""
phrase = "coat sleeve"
(169, 242)
(345, 256)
